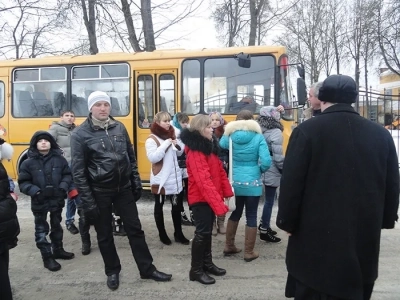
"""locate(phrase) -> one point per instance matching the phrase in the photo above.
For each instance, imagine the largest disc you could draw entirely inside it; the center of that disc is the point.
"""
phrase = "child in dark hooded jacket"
(46, 177)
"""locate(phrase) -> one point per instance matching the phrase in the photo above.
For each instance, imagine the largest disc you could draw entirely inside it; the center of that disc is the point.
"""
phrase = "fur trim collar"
(193, 140)
(246, 125)
(162, 133)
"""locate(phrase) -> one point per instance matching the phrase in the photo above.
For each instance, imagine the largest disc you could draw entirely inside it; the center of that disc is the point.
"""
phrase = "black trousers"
(5, 287)
(303, 292)
(42, 229)
(204, 218)
(126, 206)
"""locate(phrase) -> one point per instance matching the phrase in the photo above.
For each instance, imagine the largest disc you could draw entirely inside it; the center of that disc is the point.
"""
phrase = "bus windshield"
(226, 87)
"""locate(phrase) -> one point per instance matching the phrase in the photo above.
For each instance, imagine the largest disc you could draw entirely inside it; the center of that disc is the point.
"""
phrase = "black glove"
(92, 214)
(38, 198)
(137, 194)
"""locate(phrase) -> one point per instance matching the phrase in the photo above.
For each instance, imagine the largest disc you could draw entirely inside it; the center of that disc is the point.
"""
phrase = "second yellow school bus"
(33, 92)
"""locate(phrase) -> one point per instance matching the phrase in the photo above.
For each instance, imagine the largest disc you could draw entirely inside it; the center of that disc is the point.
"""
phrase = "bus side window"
(24, 105)
(42, 104)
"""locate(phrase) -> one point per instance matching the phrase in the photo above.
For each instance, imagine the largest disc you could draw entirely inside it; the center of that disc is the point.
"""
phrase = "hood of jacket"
(193, 140)
(242, 131)
(33, 151)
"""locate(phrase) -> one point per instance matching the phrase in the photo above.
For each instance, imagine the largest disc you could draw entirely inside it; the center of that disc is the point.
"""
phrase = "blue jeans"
(70, 212)
(251, 203)
(270, 192)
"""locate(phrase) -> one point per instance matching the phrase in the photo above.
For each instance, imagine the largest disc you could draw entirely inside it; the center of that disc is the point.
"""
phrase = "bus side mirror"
(244, 60)
(301, 91)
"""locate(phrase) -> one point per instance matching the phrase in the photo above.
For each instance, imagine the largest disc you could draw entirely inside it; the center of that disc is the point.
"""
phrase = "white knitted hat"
(96, 97)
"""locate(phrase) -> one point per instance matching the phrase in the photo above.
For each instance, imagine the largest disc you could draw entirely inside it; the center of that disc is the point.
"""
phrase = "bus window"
(167, 93)
(146, 107)
(2, 90)
(229, 88)
(112, 79)
(190, 102)
(36, 92)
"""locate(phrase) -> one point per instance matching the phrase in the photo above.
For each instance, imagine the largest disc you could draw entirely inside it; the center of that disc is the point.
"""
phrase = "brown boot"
(250, 240)
(221, 225)
(230, 247)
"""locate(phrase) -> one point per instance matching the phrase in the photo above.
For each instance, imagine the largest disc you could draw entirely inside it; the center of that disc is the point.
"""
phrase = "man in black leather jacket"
(105, 172)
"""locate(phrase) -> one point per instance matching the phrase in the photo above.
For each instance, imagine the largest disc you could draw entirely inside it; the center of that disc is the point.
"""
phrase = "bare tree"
(27, 29)
(148, 29)
(230, 19)
(303, 38)
(389, 33)
(256, 8)
(89, 17)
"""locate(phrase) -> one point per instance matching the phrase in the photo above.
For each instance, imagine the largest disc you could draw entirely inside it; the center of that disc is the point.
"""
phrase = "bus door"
(155, 91)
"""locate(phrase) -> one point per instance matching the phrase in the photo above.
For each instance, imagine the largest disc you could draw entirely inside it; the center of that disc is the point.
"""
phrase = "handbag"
(231, 202)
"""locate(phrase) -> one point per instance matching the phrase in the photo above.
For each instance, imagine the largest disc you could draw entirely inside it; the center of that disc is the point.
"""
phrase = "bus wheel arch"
(21, 159)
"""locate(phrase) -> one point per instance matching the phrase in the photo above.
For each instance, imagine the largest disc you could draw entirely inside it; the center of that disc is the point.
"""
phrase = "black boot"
(178, 235)
(197, 272)
(209, 266)
(159, 218)
(50, 263)
(84, 228)
(60, 253)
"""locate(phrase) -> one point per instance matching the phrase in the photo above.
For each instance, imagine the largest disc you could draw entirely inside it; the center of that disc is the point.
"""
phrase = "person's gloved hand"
(92, 214)
(137, 193)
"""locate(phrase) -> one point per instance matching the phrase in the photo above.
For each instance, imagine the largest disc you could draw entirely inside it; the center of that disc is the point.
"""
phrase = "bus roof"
(124, 56)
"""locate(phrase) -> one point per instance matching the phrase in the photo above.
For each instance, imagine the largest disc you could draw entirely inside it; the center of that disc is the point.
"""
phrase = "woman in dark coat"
(339, 188)
(9, 226)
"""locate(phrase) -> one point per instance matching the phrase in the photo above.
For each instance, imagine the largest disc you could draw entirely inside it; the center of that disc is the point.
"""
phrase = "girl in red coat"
(208, 186)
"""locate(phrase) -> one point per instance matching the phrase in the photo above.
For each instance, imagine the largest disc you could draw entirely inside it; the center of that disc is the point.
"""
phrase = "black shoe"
(213, 269)
(72, 228)
(268, 230)
(51, 264)
(185, 220)
(203, 278)
(113, 281)
(180, 238)
(265, 236)
(62, 254)
(157, 276)
(86, 248)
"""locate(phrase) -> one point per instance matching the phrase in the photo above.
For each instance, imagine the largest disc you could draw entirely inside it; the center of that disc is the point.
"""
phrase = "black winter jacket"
(102, 160)
(339, 187)
(48, 174)
(9, 226)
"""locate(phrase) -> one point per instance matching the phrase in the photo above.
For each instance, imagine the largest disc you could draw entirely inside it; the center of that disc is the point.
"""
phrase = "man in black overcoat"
(340, 187)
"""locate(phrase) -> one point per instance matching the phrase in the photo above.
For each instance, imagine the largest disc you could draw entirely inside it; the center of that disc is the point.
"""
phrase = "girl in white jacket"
(162, 149)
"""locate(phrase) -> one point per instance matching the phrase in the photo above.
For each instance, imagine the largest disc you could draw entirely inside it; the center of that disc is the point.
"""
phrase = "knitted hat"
(42, 137)
(218, 114)
(96, 97)
(270, 111)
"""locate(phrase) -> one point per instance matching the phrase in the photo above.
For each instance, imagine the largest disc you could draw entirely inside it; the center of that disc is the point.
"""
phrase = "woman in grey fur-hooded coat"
(271, 128)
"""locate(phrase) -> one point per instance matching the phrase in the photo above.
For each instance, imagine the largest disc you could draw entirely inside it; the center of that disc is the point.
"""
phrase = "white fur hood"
(246, 125)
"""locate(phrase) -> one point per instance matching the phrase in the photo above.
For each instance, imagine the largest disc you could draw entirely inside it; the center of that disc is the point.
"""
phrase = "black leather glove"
(92, 214)
(62, 193)
(137, 194)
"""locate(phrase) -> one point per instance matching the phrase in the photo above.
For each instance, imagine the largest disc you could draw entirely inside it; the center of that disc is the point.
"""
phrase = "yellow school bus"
(33, 92)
